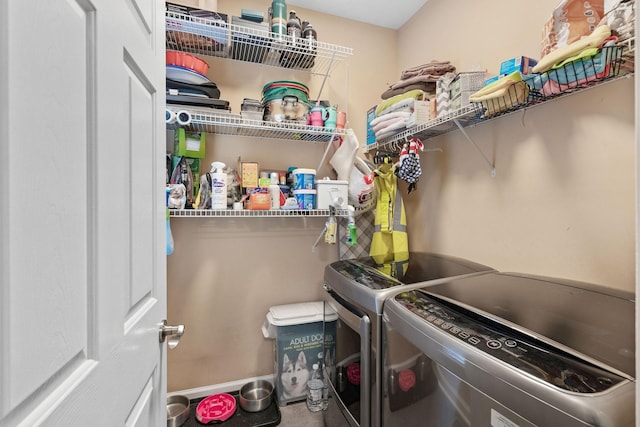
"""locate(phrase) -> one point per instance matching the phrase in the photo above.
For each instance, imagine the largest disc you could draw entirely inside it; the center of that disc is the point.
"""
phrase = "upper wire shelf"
(209, 37)
(475, 113)
(236, 125)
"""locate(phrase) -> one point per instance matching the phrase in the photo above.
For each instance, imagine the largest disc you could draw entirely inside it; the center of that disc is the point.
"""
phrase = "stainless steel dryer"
(356, 290)
(506, 350)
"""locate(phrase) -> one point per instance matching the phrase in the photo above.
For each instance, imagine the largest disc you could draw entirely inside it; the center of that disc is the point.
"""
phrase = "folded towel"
(424, 78)
(405, 104)
(428, 87)
(386, 118)
(432, 68)
(391, 126)
(496, 89)
(595, 39)
(416, 94)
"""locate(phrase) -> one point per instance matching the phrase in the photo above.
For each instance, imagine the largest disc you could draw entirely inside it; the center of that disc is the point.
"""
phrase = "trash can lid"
(295, 314)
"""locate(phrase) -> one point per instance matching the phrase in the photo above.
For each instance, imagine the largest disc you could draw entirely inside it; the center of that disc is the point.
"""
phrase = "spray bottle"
(351, 227)
(218, 186)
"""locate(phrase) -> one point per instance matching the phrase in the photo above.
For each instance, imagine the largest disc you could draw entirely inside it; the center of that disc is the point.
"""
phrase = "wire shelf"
(230, 213)
(236, 125)
(467, 115)
(209, 37)
(536, 94)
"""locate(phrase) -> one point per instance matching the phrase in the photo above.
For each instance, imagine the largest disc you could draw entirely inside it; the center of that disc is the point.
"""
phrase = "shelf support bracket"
(491, 165)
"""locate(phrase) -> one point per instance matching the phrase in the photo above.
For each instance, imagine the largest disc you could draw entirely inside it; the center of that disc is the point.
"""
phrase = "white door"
(82, 262)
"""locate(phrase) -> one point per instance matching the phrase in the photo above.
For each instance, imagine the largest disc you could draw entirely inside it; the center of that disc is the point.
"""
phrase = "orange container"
(259, 201)
(186, 60)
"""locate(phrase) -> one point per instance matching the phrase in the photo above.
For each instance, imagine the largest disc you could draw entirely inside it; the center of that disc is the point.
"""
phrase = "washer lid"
(595, 321)
(420, 267)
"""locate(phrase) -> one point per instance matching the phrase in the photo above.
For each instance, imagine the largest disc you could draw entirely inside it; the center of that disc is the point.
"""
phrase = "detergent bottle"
(218, 186)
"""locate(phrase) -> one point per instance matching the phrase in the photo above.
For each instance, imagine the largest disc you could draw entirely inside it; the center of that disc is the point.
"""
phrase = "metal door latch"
(173, 332)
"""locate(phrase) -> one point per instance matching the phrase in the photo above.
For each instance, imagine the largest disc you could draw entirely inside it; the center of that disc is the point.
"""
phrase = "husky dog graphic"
(294, 376)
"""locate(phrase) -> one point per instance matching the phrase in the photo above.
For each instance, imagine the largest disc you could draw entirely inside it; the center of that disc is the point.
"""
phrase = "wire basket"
(579, 73)
(513, 98)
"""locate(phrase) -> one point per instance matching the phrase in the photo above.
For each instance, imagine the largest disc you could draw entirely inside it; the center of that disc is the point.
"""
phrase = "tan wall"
(226, 273)
(562, 202)
(563, 199)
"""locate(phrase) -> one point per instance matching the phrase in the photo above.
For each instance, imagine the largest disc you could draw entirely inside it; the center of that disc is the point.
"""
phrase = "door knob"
(172, 332)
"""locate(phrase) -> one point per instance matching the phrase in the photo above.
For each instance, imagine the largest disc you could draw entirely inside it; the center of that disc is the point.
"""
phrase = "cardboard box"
(462, 100)
(248, 173)
(466, 81)
(519, 63)
(371, 115)
(189, 144)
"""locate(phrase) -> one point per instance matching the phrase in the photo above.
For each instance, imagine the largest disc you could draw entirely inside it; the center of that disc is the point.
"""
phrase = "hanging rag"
(390, 243)
(409, 168)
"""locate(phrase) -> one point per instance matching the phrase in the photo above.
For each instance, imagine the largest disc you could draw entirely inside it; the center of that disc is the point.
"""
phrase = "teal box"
(371, 115)
(303, 335)
(519, 63)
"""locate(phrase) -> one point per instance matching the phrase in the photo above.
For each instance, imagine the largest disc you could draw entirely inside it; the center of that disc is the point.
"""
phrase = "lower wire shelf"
(231, 213)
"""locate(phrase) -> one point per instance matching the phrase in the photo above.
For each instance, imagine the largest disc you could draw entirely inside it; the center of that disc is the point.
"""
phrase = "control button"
(455, 330)
(493, 344)
(510, 343)
(445, 325)
(474, 340)
(438, 321)
(431, 318)
(464, 335)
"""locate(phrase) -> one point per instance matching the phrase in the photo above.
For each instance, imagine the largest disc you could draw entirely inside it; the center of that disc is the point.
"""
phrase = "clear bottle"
(324, 400)
(314, 390)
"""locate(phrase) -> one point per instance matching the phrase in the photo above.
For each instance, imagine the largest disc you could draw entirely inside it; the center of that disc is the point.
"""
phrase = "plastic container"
(306, 199)
(332, 192)
(298, 333)
(304, 179)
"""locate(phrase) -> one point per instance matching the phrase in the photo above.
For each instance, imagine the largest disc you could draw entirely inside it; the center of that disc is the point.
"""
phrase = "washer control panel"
(521, 351)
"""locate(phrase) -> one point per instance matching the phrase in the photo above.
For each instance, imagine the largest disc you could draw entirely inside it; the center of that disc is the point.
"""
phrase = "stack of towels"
(418, 83)
(421, 77)
(393, 114)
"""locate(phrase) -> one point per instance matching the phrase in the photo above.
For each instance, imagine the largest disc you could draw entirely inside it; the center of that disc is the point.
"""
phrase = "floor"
(297, 415)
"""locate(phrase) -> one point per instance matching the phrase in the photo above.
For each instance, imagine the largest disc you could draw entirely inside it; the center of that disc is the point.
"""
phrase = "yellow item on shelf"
(503, 94)
(594, 39)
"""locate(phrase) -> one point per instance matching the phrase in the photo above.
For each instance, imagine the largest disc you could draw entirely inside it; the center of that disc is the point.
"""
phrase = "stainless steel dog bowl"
(177, 410)
(256, 396)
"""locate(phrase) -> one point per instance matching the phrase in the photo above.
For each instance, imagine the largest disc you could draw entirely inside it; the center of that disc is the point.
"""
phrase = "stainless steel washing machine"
(509, 350)
(356, 290)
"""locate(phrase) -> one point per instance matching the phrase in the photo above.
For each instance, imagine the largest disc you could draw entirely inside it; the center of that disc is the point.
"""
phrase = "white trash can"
(300, 336)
